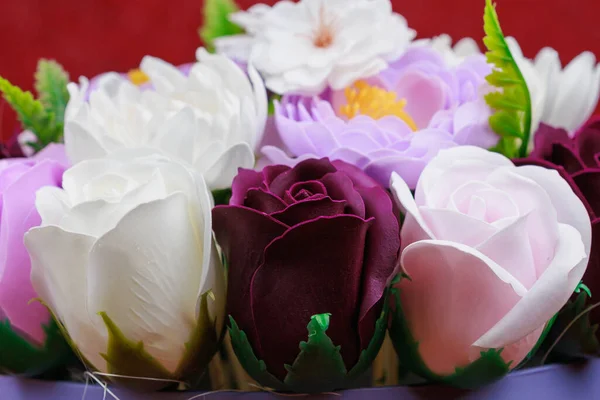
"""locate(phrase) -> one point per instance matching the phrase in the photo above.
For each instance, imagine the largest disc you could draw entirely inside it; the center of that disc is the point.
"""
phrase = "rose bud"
(492, 252)
(125, 260)
(30, 342)
(314, 245)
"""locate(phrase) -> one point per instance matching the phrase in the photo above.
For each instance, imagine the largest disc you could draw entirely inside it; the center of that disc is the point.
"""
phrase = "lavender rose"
(29, 340)
(301, 243)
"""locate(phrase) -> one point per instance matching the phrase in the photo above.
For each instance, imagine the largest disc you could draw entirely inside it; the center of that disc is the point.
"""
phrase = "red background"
(93, 36)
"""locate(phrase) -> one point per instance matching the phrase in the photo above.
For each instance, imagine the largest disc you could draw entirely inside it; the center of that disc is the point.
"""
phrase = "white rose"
(212, 119)
(129, 236)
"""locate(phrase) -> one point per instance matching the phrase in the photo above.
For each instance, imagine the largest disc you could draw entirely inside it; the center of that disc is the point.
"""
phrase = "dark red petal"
(381, 254)
(271, 172)
(545, 137)
(308, 170)
(359, 178)
(243, 235)
(592, 273)
(310, 209)
(588, 141)
(245, 179)
(566, 158)
(314, 268)
(588, 181)
(260, 200)
(340, 187)
(302, 190)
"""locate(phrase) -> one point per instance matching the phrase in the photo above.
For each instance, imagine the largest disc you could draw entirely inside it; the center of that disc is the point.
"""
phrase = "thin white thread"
(103, 384)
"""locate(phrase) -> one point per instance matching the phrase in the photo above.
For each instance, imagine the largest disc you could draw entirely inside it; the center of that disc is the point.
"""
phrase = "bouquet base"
(579, 381)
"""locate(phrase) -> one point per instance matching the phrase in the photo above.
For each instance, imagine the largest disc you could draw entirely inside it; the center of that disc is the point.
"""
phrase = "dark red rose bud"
(320, 238)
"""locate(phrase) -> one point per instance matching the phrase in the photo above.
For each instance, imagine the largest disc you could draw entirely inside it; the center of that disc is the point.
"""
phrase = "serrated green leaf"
(216, 21)
(486, 369)
(256, 368)
(51, 85)
(32, 114)
(513, 102)
(19, 356)
(319, 367)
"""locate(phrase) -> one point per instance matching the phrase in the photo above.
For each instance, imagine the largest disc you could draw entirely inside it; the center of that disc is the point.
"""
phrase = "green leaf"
(486, 369)
(221, 196)
(512, 120)
(51, 84)
(31, 113)
(21, 357)
(216, 21)
(319, 367)
(201, 347)
(127, 358)
(256, 368)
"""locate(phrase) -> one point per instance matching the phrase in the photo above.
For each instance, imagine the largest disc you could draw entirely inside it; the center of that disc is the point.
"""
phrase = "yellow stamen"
(375, 102)
(138, 77)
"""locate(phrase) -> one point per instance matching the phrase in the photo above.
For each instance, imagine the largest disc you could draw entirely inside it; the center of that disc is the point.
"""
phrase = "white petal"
(80, 143)
(414, 227)
(546, 297)
(221, 173)
(145, 274)
(59, 265)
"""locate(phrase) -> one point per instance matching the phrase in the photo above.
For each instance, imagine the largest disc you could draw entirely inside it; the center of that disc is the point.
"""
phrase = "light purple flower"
(20, 178)
(444, 108)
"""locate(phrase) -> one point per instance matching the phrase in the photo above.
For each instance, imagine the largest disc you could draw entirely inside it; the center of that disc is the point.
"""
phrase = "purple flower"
(394, 122)
(321, 237)
(20, 178)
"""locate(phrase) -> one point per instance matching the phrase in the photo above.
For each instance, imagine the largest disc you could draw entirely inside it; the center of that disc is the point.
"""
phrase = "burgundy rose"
(321, 237)
(577, 159)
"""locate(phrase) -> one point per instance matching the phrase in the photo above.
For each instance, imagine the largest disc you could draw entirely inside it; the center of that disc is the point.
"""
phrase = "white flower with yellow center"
(307, 46)
(211, 119)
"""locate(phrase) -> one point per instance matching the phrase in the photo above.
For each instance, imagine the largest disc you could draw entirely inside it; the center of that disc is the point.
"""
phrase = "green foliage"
(216, 21)
(319, 366)
(51, 84)
(44, 116)
(489, 367)
(221, 196)
(512, 102)
(19, 356)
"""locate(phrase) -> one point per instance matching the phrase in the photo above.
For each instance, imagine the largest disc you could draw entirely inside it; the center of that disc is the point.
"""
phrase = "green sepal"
(319, 366)
(486, 369)
(18, 356)
(273, 97)
(128, 358)
(216, 21)
(51, 85)
(256, 368)
(221, 196)
(512, 119)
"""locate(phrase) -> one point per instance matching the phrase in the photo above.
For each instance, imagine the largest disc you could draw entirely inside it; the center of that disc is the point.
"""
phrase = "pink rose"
(27, 321)
(493, 251)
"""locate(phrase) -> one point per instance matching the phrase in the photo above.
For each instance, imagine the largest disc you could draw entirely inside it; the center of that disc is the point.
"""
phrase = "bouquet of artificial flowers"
(316, 187)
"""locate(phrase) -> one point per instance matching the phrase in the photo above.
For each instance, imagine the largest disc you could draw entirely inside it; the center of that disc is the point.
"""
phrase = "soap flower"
(304, 47)
(394, 122)
(124, 258)
(30, 342)
(211, 119)
(314, 245)
(492, 252)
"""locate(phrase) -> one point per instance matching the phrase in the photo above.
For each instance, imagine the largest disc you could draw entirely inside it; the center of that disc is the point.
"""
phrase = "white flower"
(563, 98)
(130, 236)
(212, 119)
(453, 55)
(572, 92)
(306, 46)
